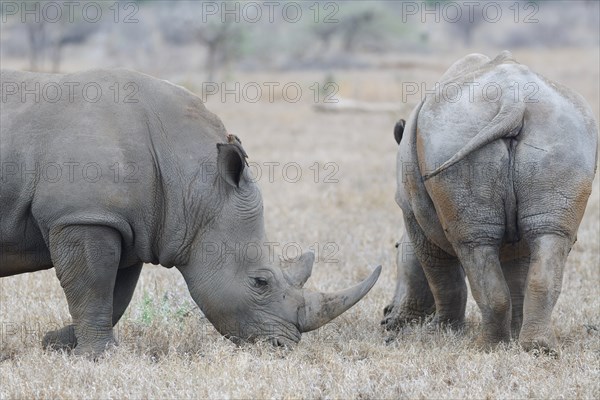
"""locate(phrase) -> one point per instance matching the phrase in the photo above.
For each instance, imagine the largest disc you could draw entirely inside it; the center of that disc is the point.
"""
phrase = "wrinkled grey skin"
(494, 191)
(172, 190)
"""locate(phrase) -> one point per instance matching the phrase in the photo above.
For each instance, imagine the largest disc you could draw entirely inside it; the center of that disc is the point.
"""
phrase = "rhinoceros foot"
(96, 342)
(396, 316)
(95, 351)
(489, 344)
(443, 322)
(65, 339)
(61, 339)
(539, 344)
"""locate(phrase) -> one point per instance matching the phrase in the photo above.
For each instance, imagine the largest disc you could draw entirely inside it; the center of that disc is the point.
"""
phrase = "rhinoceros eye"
(260, 283)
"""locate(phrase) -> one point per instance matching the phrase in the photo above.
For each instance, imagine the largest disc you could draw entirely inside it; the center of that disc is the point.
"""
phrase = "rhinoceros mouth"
(285, 337)
(277, 341)
(283, 342)
(281, 334)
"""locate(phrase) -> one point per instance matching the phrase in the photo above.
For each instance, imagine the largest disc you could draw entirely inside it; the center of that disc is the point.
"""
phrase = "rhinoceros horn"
(300, 271)
(320, 308)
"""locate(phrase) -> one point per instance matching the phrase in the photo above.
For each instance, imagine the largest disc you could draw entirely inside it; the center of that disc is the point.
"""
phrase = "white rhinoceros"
(103, 171)
(492, 183)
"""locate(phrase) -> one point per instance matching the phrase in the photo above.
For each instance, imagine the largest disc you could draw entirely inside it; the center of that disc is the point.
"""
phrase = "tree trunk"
(211, 61)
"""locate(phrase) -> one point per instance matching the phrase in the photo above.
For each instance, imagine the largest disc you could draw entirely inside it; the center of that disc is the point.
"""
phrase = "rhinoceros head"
(237, 281)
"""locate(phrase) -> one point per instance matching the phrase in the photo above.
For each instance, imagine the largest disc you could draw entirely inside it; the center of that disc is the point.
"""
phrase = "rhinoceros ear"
(399, 130)
(231, 161)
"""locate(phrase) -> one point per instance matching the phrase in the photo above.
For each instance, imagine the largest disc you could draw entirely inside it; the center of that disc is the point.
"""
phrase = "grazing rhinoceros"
(124, 169)
(493, 185)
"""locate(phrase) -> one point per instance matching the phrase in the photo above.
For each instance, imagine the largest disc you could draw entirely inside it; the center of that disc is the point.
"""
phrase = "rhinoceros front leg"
(544, 282)
(490, 290)
(65, 339)
(86, 260)
(413, 300)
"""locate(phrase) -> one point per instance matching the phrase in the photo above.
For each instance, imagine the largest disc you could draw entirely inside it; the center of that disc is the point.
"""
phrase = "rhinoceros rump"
(493, 185)
(120, 169)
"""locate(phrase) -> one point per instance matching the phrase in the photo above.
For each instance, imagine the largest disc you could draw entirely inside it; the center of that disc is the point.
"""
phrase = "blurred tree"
(63, 34)
(182, 24)
(466, 22)
(325, 34)
(355, 27)
(466, 26)
(48, 38)
(221, 42)
(37, 42)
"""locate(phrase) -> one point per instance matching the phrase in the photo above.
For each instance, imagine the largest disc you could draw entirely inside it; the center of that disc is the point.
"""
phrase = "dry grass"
(169, 351)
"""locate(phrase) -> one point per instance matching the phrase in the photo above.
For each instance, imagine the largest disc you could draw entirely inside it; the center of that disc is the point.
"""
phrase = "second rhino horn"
(300, 270)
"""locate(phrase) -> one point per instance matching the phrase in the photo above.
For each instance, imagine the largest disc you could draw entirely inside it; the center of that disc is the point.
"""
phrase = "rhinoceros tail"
(507, 123)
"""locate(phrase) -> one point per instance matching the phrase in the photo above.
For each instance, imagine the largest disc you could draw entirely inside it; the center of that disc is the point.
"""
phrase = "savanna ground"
(168, 350)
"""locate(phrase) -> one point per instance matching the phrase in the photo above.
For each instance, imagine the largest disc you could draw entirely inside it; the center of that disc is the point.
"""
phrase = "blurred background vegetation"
(217, 39)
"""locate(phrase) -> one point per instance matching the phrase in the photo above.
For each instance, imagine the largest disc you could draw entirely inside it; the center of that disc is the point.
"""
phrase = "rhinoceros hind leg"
(124, 287)
(544, 281)
(413, 300)
(86, 259)
(490, 290)
(515, 273)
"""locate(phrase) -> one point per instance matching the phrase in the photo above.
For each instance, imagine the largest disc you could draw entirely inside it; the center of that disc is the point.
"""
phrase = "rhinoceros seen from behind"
(103, 171)
(493, 176)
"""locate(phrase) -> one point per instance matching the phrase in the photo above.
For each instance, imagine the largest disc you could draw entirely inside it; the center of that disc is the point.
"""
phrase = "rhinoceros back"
(104, 152)
(512, 164)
